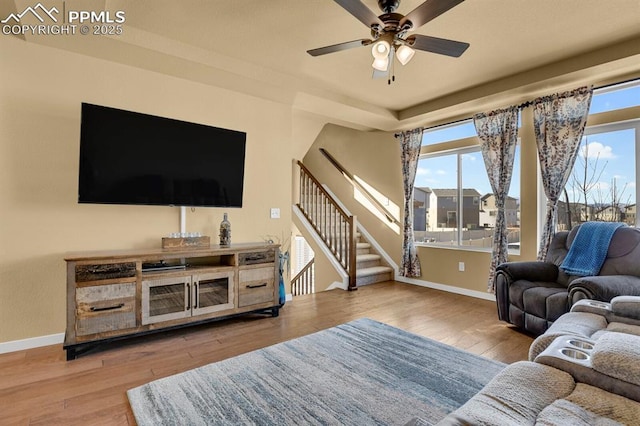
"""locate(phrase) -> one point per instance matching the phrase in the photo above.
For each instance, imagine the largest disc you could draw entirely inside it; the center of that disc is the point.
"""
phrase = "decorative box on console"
(185, 242)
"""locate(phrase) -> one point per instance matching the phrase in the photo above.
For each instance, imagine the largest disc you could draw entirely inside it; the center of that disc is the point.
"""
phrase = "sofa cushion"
(519, 292)
(588, 405)
(543, 301)
(624, 249)
(621, 327)
(618, 355)
(515, 396)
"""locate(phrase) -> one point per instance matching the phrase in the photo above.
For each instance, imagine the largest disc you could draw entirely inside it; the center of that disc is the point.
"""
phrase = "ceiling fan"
(389, 32)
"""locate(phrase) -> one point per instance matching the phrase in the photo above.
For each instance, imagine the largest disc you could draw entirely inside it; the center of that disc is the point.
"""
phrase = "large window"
(453, 201)
(603, 183)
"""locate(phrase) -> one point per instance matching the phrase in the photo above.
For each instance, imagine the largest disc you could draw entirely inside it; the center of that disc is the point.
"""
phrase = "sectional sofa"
(584, 370)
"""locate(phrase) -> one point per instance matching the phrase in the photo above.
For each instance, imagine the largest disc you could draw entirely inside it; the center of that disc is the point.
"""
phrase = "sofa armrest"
(508, 272)
(622, 309)
(592, 306)
(626, 306)
(604, 287)
(529, 270)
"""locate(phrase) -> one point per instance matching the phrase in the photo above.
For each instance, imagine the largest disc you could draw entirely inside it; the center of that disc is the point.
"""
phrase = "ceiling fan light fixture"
(380, 49)
(381, 64)
(404, 54)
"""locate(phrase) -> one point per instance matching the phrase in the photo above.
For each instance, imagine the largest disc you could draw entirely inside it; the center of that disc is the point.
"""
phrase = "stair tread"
(366, 257)
(363, 245)
(373, 270)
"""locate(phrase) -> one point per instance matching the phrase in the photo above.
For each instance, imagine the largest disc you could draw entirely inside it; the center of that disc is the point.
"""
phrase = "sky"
(608, 154)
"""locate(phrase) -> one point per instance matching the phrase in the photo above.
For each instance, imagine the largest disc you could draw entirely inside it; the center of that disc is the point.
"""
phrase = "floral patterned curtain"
(410, 142)
(498, 133)
(559, 122)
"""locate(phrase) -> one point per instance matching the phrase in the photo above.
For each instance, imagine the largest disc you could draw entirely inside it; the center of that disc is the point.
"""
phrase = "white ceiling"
(517, 47)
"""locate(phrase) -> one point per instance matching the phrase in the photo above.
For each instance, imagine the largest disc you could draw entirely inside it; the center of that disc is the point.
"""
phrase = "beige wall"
(41, 90)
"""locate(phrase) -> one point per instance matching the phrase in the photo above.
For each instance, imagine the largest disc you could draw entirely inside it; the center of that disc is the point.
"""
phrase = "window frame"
(459, 152)
(618, 126)
(604, 127)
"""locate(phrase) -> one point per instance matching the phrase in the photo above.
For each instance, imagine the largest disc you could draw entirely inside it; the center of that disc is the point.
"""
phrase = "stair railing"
(377, 204)
(334, 226)
(303, 282)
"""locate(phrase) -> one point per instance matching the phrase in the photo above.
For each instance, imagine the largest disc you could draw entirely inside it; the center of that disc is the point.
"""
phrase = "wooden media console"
(112, 295)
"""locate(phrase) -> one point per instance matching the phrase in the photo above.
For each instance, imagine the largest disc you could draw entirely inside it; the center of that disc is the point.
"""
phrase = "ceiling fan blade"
(427, 11)
(437, 45)
(338, 47)
(361, 12)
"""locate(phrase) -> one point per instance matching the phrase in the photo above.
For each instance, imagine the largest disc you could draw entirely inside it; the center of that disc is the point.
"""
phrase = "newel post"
(353, 242)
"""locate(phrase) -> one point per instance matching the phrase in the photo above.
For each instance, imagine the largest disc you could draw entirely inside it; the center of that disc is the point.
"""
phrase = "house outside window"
(421, 197)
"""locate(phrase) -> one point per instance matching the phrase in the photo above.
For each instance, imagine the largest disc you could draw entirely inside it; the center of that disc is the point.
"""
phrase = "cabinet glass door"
(212, 292)
(165, 299)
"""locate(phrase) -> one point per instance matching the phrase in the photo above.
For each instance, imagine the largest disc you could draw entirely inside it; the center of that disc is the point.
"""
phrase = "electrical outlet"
(461, 266)
(275, 213)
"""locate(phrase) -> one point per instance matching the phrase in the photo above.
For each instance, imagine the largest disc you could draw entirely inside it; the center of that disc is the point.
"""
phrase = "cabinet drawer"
(105, 271)
(256, 286)
(252, 258)
(105, 308)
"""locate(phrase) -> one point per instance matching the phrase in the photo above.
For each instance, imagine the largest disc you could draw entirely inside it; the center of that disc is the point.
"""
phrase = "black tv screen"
(132, 158)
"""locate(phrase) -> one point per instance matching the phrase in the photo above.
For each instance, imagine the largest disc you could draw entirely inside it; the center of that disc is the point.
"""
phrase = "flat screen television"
(132, 158)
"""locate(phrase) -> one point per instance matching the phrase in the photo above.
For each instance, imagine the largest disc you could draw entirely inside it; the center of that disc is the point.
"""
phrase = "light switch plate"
(275, 213)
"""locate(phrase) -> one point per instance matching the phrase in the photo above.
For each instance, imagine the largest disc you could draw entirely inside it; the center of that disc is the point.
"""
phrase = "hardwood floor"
(39, 386)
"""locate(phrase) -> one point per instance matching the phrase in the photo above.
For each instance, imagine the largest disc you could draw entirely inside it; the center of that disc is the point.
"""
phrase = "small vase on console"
(225, 231)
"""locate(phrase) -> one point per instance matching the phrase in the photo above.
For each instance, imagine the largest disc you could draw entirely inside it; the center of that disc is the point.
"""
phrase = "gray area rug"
(359, 373)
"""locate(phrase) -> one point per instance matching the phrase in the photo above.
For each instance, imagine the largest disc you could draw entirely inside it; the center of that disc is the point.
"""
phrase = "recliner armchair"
(533, 294)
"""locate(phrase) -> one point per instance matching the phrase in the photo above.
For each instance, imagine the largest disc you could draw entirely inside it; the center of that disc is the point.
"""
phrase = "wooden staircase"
(369, 265)
(338, 230)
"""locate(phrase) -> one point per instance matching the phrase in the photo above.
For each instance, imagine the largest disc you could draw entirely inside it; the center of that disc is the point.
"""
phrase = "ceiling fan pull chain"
(392, 72)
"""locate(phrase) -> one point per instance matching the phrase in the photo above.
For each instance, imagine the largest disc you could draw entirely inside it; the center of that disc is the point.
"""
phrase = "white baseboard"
(448, 288)
(33, 342)
(337, 284)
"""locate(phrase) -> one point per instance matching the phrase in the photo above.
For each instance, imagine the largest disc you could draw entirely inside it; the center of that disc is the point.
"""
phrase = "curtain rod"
(529, 103)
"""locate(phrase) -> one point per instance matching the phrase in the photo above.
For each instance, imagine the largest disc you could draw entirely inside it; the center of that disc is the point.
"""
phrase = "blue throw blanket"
(589, 249)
